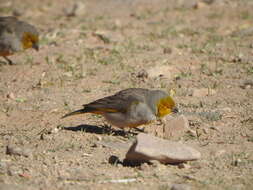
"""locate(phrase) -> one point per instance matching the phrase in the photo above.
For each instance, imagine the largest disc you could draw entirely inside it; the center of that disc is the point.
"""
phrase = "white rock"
(148, 147)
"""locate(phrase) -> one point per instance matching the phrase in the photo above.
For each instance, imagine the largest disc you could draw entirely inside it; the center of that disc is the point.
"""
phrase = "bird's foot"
(10, 62)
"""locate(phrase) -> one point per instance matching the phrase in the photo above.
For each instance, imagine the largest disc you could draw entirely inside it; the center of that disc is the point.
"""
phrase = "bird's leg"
(8, 60)
(162, 122)
(107, 129)
(139, 130)
(128, 133)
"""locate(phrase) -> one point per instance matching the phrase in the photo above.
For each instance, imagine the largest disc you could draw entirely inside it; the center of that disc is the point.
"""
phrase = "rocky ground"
(200, 51)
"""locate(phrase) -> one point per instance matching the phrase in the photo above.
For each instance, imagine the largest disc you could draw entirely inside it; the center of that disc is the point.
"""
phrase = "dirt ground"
(91, 49)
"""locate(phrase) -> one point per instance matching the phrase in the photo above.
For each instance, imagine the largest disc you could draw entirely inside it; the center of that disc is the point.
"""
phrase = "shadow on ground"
(104, 129)
(3, 62)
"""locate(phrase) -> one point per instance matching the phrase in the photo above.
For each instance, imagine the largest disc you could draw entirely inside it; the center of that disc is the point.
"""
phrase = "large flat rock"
(148, 147)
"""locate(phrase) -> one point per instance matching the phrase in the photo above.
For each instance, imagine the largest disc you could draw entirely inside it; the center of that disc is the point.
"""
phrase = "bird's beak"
(35, 46)
(175, 110)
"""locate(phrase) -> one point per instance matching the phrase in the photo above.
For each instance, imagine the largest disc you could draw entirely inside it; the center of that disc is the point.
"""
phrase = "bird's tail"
(81, 111)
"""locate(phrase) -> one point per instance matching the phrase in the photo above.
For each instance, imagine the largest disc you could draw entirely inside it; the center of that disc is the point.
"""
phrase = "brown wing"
(8, 36)
(118, 102)
(12, 24)
(6, 24)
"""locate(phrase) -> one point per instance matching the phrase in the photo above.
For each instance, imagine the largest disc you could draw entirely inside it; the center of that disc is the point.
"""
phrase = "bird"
(131, 107)
(16, 36)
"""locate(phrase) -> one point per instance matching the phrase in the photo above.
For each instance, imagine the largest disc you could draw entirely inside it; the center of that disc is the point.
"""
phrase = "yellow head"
(166, 106)
(30, 40)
